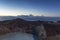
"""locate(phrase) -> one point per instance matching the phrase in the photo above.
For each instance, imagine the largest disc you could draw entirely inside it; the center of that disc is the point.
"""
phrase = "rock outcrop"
(17, 25)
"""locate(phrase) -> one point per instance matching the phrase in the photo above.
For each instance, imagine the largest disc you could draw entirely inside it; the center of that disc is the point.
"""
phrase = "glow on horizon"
(15, 12)
(6, 10)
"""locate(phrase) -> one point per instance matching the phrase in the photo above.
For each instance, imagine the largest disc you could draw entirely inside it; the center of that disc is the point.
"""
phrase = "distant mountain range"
(30, 18)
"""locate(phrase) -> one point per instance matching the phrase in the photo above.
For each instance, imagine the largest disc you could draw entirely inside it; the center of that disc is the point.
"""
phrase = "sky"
(27, 7)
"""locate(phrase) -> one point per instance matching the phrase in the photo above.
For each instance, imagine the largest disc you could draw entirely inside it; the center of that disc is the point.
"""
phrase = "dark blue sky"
(26, 7)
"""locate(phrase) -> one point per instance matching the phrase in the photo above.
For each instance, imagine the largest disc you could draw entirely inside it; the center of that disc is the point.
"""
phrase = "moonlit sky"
(27, 7)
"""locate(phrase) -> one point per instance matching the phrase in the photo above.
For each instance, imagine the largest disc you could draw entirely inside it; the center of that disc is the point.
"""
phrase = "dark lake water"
(17, 36)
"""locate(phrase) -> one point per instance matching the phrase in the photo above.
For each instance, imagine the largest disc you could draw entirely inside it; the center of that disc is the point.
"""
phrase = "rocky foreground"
(49, 29)
(17, 25)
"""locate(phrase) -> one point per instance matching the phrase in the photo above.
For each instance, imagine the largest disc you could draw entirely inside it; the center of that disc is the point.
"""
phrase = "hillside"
(17, 25)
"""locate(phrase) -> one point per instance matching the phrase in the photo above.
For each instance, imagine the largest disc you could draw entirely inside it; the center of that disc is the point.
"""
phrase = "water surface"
(17, 36)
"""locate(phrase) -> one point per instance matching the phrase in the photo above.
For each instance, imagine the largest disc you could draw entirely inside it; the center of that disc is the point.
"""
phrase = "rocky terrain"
(52, 29)
(17, 25)
(21, 25)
